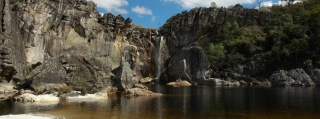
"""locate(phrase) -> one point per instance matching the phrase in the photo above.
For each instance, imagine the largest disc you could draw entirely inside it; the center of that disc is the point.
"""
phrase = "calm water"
(196, 102)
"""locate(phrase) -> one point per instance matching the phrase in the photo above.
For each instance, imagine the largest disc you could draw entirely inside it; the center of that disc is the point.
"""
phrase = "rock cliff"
(199, 26)
(56, 44)
(51, 44)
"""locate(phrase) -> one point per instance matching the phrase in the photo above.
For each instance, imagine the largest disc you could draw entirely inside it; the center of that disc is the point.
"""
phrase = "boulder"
(261, 83)
(27, 97)
(139, 92)
(281, 78)
(300, 77)
(137, 85)
(146, 80)
(77, 96)
(219, 82)
(296, 77)
(179, 83)
(48, 76)
(315, 75)
(124, 77)
(189, 64)
(242, 82)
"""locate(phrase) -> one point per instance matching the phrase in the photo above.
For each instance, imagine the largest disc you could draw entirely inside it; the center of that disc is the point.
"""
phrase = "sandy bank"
(29, 116)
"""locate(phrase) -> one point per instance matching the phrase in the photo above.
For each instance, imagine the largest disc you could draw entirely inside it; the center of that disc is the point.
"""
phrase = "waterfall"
(159, 58)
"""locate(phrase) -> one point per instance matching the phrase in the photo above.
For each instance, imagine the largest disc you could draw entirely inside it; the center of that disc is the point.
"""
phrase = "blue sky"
(154, 13)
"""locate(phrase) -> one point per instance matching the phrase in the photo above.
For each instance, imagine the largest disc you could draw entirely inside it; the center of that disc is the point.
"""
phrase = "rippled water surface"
(196, 102)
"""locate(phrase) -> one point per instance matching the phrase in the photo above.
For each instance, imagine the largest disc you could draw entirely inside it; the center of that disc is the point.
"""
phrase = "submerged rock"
(27, 97)
(75, 96)
(179, 83)
(87, 97)
(140, 92)
(146, 80)
(219, 82)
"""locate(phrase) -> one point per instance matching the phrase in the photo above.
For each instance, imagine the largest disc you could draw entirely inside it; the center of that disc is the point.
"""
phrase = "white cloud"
(189, 4)
(267, 3)
(113, 6)
(270, 3)
(153, 18)
(142, 10)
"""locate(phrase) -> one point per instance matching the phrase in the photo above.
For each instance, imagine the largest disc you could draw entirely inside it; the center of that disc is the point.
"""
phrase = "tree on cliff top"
(213, 5)
(259, 2)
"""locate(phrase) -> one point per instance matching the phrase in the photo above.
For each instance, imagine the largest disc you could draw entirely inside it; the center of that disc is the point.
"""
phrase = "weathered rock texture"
(188, 27)
(315, 75)
(294, 77)
(56, 43)
(189, 64)
(199, 26)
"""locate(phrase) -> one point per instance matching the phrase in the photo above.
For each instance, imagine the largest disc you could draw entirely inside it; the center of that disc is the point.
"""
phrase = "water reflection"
(189, 102)
(159, 103)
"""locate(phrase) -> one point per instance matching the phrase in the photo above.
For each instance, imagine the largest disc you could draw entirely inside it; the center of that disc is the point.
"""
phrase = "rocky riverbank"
(294, 77)
(7, 91)
(56, 47)
(29, 116)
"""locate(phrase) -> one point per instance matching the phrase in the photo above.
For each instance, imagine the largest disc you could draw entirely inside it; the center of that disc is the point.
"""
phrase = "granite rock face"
(125, 77)
(53, 43)
(189, 64)
(188, 27)
(201, 25)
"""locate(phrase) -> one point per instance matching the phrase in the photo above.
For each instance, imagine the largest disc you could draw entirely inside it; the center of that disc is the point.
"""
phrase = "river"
(195, 102)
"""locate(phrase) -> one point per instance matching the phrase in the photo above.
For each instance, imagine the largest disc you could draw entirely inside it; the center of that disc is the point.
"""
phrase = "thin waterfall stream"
(159, 58)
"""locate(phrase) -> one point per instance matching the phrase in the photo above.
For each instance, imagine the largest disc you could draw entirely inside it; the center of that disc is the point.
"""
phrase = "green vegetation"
(64, 89)
(290, 39)
(80, 81)
(53, 26)
(214, 5)
(2, 78)
(27, 70)
(15, 8)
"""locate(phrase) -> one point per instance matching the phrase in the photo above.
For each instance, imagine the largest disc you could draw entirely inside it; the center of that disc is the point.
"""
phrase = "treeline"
(290, 39)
